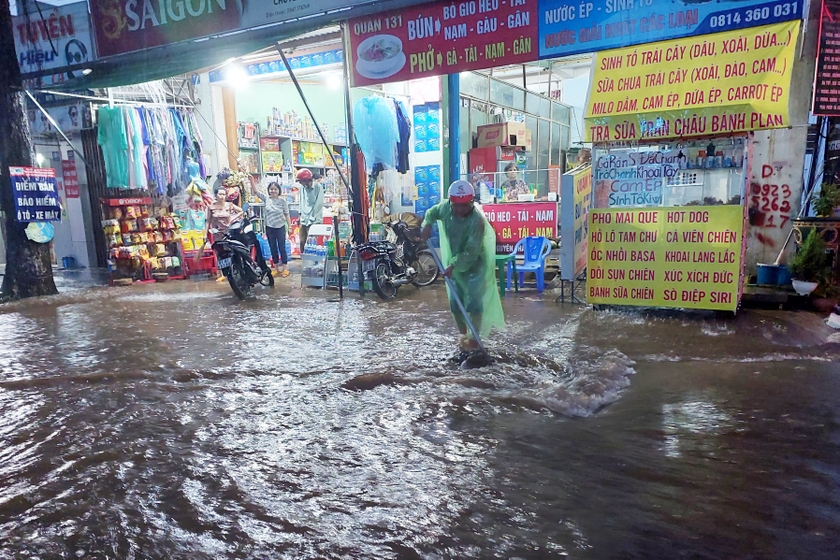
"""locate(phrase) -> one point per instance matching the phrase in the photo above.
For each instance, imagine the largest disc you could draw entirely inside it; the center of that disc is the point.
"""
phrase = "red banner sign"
(442, 38)
(518, 220)
(71, 179)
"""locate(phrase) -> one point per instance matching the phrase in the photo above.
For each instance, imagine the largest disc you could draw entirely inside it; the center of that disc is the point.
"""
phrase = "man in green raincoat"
(468, 251)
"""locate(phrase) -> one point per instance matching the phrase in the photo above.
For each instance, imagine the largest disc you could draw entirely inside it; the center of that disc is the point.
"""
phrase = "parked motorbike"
(408, 261)
(233, 252)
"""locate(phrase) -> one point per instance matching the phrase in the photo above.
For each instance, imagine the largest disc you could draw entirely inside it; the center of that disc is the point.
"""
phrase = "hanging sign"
(630, 177)
(71, 177)
(441, 38)
(686, 257)
(51, 40)
(575, 26)
(725, 83)
(827, 84)
(122, 26)
(574, 227)
(517, 220)
(36, 194)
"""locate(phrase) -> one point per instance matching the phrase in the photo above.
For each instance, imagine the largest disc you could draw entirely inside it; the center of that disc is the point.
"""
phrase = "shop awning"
(189, 56)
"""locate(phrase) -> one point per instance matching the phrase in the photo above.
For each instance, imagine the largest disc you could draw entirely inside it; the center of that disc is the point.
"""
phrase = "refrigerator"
(487, 170)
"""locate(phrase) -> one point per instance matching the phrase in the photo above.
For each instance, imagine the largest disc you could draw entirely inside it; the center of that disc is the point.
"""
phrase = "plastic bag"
(375, 126)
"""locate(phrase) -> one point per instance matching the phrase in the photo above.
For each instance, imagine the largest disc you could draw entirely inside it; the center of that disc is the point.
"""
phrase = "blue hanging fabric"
(113, 139)
(404, 145)
(375, 126)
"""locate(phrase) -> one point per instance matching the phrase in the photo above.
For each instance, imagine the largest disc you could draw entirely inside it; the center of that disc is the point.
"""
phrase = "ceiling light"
(335, 80)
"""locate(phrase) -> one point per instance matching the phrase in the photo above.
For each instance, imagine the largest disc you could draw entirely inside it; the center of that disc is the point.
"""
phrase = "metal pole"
(311, 114)
(338, 255)
(458, 302)
(454, 92)
(55, 124)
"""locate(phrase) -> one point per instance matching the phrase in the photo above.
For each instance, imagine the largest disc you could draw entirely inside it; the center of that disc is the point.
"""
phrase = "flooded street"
(173, 421)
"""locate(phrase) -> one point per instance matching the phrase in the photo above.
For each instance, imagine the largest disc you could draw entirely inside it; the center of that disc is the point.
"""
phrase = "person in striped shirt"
(277, 221)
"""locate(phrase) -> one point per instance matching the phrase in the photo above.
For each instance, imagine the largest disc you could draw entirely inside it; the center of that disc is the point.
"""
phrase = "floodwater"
(172, 421)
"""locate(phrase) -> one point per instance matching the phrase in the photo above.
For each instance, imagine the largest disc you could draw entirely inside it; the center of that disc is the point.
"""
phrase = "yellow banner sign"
(723, 83)
(687, 257)
(577, 188)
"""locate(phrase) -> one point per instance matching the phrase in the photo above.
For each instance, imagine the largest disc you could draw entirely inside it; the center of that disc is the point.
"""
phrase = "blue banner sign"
(36, 196)
(572, 27)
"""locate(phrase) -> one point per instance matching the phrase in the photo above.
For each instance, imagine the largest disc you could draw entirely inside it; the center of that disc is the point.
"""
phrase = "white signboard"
(51, 40)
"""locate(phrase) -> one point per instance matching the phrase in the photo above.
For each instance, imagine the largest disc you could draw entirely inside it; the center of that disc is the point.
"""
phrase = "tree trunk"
(28, 264)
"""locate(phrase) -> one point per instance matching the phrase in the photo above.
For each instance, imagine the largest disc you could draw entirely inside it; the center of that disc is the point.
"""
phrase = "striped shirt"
(276, 211)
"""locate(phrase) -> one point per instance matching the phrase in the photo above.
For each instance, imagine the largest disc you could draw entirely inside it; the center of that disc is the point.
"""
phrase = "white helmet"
(460, 192)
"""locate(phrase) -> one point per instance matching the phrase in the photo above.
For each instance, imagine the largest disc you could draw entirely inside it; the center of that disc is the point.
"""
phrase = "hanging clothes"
(113, 140)
(137, 178)
(404, 144)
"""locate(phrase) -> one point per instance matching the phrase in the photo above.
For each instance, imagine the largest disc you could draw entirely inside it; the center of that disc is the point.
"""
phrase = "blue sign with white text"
(36, 195)
(572, 27)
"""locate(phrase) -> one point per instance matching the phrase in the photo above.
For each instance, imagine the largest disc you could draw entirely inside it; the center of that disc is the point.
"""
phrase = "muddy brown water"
(173, 421)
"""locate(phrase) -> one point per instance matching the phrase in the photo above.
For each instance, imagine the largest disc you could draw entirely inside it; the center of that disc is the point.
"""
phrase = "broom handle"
(460, 305)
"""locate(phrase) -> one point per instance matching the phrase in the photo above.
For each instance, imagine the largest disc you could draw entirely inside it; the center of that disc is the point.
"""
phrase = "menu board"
(441, 38)
(827, 86)
(687, 257)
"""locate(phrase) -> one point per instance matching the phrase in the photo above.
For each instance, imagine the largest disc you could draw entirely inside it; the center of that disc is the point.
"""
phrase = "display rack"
(314, 257)
(356, 266)
(248, 141)
(144, 241)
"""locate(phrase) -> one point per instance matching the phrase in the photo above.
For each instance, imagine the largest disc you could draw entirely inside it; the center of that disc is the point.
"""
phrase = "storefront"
(472, 89)
(670, 191)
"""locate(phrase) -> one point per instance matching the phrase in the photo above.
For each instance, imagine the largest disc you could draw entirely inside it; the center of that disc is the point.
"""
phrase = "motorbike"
(233, 253)
(408, 261)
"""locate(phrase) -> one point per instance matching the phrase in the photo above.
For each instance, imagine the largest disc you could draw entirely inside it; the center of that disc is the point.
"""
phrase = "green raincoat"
(469, 245)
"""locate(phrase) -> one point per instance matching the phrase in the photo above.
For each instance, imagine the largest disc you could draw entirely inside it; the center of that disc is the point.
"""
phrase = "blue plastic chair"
(535, 251)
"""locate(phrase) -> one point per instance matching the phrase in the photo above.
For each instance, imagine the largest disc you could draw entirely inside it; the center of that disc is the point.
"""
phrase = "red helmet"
(304, 174)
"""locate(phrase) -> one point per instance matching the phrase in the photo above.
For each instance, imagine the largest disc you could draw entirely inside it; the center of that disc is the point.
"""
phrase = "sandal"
(285, 273)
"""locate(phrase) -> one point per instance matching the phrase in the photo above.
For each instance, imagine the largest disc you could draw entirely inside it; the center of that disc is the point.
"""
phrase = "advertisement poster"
(518, 220)
(572, 27)
(827, 84)
(60, 39)
(725, 83)
(122, 26)
(686, 257)
(574, 224)
(36, 194)
(441, 38)
(70, 118)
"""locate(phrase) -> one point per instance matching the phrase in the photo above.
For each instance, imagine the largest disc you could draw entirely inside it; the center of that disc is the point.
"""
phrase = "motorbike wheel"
(267, 279)
(427, 270)
(238, 278)
(381, 281)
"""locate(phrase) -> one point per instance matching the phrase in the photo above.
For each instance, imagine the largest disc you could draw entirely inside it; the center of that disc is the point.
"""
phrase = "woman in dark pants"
(277, 222)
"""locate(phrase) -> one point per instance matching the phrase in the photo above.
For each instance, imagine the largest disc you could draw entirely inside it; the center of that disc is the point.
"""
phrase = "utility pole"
(28, 264)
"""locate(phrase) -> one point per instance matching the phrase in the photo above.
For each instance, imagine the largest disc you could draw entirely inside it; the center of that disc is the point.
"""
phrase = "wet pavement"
(173, 421)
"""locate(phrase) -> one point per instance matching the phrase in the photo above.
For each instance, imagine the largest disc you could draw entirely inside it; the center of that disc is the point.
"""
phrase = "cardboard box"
(502, 134)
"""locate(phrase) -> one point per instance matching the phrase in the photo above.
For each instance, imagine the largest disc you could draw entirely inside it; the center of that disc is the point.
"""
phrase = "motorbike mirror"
(214, 231)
